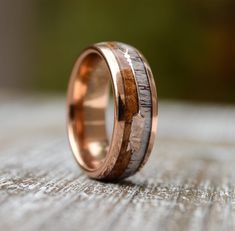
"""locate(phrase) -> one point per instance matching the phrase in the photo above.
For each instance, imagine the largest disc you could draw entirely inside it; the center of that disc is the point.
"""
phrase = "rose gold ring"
(135, 110)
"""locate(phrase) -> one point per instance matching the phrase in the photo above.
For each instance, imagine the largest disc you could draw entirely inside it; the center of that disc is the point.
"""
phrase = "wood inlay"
(138, 108)
(131, 109)
(141, 126)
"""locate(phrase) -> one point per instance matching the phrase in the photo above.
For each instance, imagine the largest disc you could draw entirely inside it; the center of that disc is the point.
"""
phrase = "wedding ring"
(135, 110)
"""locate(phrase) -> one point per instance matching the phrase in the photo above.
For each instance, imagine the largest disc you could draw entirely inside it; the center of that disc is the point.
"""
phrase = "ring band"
(135, 110)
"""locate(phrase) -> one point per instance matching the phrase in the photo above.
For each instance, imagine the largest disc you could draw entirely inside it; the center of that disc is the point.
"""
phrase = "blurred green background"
(190, 45)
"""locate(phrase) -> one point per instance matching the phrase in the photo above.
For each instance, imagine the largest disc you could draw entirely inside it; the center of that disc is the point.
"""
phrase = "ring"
(135, 110)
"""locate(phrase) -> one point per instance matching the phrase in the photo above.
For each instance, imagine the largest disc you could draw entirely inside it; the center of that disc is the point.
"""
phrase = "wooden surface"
(188, 183)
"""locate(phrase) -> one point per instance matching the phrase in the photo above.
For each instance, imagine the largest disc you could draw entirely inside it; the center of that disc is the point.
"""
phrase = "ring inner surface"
(90, 99)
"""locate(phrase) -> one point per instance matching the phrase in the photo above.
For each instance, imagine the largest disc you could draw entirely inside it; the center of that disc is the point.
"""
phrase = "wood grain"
(188, 183)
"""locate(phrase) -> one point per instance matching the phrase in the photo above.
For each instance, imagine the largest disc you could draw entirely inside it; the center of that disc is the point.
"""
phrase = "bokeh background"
(190, 45)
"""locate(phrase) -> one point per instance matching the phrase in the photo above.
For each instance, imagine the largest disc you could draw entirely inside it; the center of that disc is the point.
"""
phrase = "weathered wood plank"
(188, 183)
